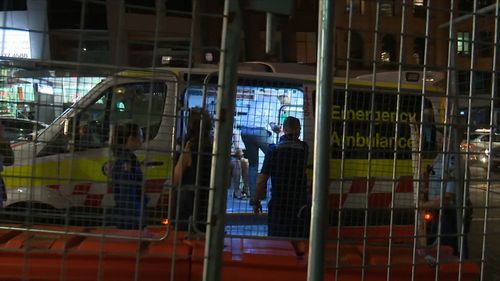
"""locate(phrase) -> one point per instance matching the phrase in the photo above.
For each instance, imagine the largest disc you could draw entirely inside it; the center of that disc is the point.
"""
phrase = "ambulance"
(372, 163)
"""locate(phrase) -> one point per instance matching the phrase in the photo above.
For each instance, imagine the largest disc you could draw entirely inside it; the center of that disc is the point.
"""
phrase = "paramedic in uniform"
(442, 181)
(288, 210)
(257, 129)
(127, 177)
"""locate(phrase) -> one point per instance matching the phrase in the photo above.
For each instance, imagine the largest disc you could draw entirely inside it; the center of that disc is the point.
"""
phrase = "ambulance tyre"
(32, 213)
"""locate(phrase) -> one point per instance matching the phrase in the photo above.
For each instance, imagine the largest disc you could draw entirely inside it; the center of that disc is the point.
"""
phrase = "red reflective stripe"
(336, 200)
(405, 184)
(359, 185)
(380, 200)
(164, 199)
(81, 189)
(54, 186)
(93, 200)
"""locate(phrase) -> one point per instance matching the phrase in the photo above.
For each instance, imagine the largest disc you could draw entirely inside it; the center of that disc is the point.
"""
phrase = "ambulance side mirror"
(67, 126)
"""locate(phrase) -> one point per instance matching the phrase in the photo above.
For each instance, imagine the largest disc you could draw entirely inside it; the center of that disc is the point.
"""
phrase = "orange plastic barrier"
(374, 234)
(271, 260)
(253, 259)
(447, 267)
(40, 256)
(44, 257)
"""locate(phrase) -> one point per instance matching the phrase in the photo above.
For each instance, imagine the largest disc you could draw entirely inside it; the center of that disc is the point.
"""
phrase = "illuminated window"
(387, 8)
(388, 50)
(463, 43)
(385, 57)
(419, 8)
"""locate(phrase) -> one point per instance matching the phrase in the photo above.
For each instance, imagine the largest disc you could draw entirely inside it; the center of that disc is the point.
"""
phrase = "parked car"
(479, 147)
(17, 129)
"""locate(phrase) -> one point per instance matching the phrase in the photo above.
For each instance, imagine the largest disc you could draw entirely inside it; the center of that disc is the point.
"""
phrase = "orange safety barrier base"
(44, 257)
(374, 234)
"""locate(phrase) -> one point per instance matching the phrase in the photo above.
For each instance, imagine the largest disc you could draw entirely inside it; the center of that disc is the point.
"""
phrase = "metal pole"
(321, 171)
(226, 96)
(453, 142)
(270, 33)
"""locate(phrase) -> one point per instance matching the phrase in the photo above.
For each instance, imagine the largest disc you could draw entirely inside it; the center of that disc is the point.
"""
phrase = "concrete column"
(118, 37)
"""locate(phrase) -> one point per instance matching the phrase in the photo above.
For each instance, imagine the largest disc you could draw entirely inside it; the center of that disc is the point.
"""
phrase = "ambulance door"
(81, 150)
(146, 104)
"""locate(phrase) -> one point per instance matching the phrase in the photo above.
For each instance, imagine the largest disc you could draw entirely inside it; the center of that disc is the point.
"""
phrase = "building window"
(68, 14)
(13, 5)
(419, 50)
(387, 8)
(358, 7)
(484, 3)
(388, 50)
(420, 8)
(356, 51)
(463, 42)
(305, 43)
(179, 8)
(485, 43)
(481, 84)
(467, 6)
(140, 7)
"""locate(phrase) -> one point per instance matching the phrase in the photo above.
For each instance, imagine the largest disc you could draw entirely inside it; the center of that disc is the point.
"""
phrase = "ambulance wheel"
(32, 213)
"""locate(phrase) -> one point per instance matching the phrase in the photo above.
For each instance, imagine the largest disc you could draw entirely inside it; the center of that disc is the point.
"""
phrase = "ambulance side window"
(92, 125)
(89, 129)
(140, 103)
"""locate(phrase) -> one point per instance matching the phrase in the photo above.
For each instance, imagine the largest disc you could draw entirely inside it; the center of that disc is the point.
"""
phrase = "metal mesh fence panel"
(109, 115)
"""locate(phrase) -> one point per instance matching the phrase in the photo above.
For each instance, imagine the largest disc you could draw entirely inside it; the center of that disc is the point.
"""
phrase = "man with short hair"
(285, 163)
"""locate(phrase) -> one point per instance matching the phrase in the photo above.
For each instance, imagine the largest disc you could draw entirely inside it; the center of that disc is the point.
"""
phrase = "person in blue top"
(127, 177)
(440, 180)
(288, 210)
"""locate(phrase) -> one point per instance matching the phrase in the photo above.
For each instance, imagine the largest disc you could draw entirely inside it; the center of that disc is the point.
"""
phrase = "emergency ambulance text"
(377, 142)
(361, 139)
(366, 115)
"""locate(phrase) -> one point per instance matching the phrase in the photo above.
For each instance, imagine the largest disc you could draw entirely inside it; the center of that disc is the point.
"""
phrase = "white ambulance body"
(54, 172)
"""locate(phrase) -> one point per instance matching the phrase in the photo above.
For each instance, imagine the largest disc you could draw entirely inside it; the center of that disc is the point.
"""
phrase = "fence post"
(226, 96)
(321, 170)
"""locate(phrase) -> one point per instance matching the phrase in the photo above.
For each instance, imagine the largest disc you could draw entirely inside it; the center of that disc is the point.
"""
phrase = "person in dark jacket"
(288, 210)
(6, 159)
(127, 177)
(192, 172)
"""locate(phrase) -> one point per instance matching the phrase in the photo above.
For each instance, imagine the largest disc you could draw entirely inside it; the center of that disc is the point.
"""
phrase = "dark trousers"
(255, 139)
(449, 233)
